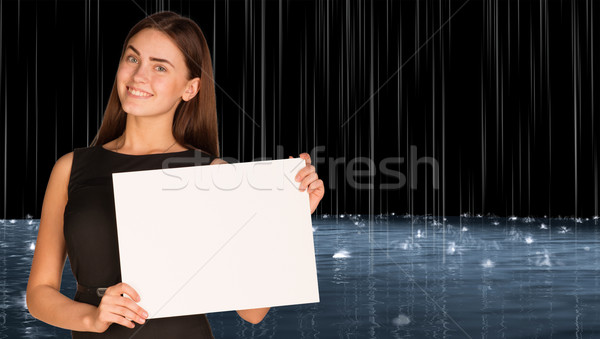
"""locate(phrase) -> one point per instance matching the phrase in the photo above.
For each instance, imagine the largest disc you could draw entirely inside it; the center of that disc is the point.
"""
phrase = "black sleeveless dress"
(91, 235)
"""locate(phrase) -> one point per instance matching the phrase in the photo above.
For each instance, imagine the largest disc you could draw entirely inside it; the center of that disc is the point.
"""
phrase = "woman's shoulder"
(65, 162)
(59, 178)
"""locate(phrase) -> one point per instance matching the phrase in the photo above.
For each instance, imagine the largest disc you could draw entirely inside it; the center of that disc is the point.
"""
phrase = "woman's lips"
(138, 93)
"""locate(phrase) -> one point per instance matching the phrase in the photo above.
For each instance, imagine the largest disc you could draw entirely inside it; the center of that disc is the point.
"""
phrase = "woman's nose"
(141, 74)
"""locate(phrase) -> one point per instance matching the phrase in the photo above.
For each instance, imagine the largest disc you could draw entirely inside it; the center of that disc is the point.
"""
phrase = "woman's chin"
(134, 109)
(134, 112)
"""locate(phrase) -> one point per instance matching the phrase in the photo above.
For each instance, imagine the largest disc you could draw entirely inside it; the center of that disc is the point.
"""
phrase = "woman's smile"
(137, 93)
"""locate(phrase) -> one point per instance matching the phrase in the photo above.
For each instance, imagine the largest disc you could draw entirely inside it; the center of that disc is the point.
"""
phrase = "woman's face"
(152, 75)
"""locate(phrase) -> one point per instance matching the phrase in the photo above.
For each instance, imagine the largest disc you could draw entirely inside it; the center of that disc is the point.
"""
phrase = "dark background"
(499, 94)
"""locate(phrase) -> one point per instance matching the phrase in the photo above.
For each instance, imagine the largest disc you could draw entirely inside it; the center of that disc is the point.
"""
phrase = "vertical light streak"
(72, 96)
(26, 137)
(35, 77)
(3, 86)
(86, 31)
(592, 97)
(263, 117)
(5, 144)
(327, 75)
(575, 69)
(443, 109)
(277, 83)
(55, 95)
(99, 77)
(399, 97)
(371, 126)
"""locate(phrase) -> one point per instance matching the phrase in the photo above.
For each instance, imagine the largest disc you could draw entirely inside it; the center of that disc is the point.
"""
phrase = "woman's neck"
(146, 135)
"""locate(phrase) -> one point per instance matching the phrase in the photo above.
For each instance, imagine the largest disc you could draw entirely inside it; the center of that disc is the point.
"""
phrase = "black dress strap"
(98, 291)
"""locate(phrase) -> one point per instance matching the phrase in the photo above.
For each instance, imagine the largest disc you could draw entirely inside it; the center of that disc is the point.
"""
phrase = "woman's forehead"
(151, 43)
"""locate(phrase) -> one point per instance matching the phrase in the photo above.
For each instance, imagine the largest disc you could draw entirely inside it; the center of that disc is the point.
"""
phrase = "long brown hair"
(195, 121)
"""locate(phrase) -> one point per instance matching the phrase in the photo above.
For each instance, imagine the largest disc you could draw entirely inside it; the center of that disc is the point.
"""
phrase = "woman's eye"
(161, 69)
(129, 58)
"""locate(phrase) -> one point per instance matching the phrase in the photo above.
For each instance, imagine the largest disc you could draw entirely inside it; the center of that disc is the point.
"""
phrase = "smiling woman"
(162, 105)
(165, 74)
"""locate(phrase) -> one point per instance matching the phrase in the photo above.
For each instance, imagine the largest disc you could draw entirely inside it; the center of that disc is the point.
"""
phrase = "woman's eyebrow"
(151, 58)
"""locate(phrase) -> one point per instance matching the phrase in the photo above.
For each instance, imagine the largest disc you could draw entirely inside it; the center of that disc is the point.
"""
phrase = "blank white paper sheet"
(203, 239)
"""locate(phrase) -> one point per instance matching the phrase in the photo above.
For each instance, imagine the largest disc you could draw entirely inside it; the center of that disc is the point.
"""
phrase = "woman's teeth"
(138, 93)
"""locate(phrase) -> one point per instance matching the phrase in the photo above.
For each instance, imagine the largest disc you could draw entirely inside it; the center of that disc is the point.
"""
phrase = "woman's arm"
(44, 300)
(254, 315)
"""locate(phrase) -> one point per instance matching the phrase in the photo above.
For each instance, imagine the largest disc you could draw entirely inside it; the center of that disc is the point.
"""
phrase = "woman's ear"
(193, 87)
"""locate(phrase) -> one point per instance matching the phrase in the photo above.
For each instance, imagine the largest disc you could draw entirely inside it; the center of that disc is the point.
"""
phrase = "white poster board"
(203, 239)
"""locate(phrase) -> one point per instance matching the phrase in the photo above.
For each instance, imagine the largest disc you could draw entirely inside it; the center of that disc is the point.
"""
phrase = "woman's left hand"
(309, 179)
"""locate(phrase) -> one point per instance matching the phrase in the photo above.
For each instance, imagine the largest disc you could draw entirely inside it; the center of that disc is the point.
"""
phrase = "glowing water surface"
(390, 276)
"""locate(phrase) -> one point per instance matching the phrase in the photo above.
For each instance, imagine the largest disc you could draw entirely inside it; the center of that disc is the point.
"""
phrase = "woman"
(162, 105)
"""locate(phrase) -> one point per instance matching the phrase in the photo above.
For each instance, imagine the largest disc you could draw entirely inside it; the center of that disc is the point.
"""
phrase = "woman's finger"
(308, 180)
(123, 288)
(306, 157)
(112, 296)
(316, 185)
(114, 318)
(129, 314)
(136, 310)
(304, 172)
(108, 314)
(127, 289)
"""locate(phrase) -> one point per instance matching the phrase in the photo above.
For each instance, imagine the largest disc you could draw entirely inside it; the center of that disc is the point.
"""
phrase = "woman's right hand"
(118, 309)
